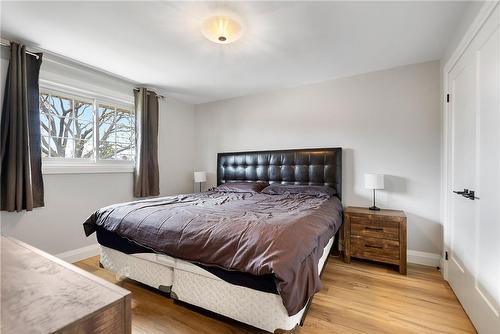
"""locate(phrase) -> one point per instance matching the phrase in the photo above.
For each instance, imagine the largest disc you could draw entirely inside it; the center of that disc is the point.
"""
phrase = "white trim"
(473, 30)
(123, 100)
(424, 258)
(79, 253)
(89, 168)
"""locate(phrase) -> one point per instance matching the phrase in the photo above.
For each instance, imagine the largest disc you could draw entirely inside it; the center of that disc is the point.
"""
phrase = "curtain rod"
(160, 96)
(2, 43)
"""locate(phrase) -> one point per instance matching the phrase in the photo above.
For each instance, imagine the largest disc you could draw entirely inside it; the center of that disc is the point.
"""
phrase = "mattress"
(264, 283)
(194, 285)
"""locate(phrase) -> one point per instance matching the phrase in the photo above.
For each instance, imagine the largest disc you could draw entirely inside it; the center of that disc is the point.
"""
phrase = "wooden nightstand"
(375, 235)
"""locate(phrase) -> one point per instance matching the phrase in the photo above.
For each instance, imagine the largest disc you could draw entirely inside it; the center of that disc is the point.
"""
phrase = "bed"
(251, 256)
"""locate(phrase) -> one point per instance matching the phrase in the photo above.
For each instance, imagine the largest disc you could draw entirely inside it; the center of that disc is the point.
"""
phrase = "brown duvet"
(255, 233)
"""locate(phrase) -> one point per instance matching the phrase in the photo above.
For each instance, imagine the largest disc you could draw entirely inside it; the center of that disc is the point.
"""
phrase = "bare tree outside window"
(116, 133)
(68, 126)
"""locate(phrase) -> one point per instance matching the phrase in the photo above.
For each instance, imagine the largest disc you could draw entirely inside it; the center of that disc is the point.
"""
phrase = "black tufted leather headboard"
(315, 166)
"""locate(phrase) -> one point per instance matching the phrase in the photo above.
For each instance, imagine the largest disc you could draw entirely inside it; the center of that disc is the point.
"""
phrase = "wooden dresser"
(375, 235)
(43, 294)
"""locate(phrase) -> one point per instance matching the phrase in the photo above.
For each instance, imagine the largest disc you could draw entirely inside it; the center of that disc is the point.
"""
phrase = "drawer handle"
(373, 246)
(374, 229)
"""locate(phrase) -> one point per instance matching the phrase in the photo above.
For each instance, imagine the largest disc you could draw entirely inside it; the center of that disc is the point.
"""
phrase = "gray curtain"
(21, 183)
(146, 175)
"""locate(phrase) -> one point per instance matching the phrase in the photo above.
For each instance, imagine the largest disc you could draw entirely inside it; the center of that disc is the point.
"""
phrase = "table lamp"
(200, 177)
(374, 182)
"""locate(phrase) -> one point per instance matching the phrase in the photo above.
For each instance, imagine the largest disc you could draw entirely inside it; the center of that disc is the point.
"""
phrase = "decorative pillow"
(242, 187)
(279, 189)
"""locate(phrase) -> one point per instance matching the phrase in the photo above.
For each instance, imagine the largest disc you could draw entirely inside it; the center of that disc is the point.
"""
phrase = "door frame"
(446, 157)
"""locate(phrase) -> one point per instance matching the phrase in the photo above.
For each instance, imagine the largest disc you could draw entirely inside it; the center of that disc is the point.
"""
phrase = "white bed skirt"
(194, 285)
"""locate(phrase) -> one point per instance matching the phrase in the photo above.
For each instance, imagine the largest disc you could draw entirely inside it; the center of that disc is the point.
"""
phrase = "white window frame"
(60, 165)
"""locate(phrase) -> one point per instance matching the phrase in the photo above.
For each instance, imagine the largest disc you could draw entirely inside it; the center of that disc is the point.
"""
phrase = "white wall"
(387, 122)
(176, 145)
(71, 198)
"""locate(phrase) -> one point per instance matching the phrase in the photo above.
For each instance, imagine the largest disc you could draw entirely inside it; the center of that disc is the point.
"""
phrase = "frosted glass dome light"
(221, 29)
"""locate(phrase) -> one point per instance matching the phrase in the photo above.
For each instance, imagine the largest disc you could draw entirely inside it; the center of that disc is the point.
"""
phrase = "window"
(81, 130)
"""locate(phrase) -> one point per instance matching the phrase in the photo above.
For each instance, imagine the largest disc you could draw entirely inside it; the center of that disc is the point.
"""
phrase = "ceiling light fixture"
(221, 29)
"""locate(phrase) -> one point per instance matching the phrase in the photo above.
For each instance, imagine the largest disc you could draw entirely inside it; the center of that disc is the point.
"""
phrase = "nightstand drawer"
(375, 249)
(375, 229)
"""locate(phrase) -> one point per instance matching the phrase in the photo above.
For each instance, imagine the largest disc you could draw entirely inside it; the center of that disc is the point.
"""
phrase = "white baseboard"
(79, 253)
(443, 268)
(424, 258)
(417, 257)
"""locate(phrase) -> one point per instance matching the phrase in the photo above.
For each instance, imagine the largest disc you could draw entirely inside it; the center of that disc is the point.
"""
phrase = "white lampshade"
(200, 176)
(374, 181)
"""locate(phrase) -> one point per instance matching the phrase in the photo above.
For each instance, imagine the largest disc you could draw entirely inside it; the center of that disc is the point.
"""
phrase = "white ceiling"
(285, 43)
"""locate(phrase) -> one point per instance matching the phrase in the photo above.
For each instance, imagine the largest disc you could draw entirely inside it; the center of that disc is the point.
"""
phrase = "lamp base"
(374, 208)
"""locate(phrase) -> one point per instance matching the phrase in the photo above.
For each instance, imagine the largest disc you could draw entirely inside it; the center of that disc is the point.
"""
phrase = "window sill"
(86, 168)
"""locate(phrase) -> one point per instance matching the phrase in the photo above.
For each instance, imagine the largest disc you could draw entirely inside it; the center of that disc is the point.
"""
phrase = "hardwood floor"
(359, 297)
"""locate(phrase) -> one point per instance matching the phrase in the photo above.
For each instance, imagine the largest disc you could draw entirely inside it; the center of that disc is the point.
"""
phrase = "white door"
(474, 244)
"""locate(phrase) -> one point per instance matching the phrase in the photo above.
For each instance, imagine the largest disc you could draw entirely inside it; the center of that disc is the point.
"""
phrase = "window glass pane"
(125, 117)
(55, 148)
(106, 114)
(124, 148)
(125, 127)
(84, 149)
(61, 126)
(61, 106)
(62, 147)
(44, 103)
(124, 135)
(44, 125)
(106, 150)
(45, 146)
(84, 111)
(83, 133)
(83, 130)
(107, 132)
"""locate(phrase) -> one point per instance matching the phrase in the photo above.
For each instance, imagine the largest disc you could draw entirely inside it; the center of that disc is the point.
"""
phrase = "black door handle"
(471, 195)
(463, 193)
(467, 194)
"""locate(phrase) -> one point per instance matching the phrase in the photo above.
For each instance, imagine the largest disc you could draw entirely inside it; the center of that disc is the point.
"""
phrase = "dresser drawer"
(375, 228)
(375, 249)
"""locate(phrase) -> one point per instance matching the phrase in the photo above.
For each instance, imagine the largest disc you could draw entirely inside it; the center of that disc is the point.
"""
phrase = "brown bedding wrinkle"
(260, 234)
